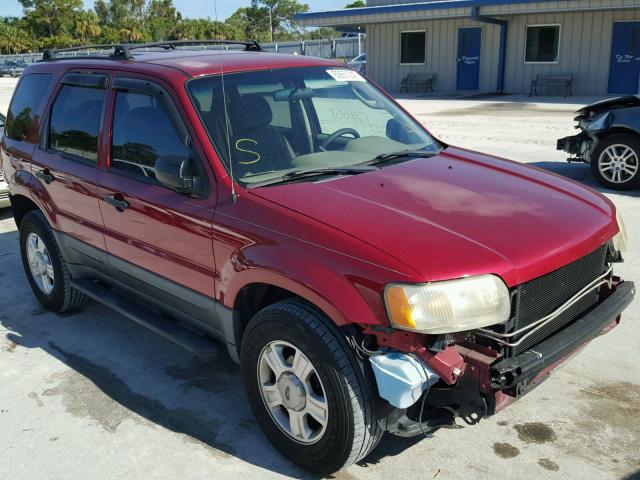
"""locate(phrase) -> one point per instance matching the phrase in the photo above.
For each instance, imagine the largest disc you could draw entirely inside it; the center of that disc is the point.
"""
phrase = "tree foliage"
(64, 23)
(280, 15)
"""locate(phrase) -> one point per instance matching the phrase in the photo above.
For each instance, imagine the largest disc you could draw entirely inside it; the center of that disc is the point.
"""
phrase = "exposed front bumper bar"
(525, 367)
(571, 144)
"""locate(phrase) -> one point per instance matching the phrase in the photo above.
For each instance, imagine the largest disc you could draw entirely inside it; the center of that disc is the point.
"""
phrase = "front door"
(469, 44)
(624, 72)
(159, 240)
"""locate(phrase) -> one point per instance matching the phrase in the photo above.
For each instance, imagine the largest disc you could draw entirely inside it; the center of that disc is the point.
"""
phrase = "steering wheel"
(338, 133)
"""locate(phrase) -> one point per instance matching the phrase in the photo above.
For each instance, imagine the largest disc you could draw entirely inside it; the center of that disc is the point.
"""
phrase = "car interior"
(279, 125)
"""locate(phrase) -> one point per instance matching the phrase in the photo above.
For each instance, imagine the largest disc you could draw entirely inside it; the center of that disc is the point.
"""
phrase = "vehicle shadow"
(5, 213)
(581, 172)
(119, 372)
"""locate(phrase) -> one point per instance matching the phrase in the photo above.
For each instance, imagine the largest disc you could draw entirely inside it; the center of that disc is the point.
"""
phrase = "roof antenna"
(234, 195)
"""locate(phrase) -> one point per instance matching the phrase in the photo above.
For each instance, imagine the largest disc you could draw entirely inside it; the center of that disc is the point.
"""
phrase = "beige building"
(499, 45)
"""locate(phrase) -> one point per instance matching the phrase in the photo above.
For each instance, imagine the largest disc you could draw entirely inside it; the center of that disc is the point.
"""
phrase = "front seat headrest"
(251, 112)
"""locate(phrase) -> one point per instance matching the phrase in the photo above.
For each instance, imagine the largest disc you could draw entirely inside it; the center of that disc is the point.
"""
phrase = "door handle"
(45, 176)
(117, 201)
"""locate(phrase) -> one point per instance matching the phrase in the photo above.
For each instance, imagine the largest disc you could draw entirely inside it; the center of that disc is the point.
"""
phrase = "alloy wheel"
(293, 392)
(618, 163)
(40, 263)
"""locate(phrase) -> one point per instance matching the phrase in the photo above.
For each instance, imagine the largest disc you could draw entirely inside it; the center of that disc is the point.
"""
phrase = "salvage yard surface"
(92, 395)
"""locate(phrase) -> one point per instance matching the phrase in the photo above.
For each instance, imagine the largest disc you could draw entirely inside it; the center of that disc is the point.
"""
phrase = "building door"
(624, 72)
(469, 43)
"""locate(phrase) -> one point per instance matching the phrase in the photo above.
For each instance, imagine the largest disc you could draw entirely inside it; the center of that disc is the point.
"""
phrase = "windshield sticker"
(346, 76)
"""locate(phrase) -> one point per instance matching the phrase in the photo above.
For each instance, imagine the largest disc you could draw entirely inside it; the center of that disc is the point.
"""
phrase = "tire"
(610, 150)
(351, 430)
(55, 293)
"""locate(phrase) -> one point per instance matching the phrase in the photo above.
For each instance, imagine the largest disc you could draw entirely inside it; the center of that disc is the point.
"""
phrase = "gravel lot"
(92, 395)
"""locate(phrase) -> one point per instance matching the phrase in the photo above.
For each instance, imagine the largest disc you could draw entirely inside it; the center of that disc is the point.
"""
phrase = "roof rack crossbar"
(123, 50)
(250, 46)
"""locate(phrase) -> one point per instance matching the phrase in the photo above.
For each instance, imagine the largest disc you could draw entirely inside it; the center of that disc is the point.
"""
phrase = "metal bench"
(555, 80)
(426, 79)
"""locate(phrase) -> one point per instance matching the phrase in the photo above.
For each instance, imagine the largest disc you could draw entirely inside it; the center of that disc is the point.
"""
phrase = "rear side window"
(22, 119)
(75, 121)
(142, 132)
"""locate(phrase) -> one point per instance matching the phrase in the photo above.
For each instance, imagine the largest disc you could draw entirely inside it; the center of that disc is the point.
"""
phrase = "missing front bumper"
(578, 146)
(517, 372)
(489, 384)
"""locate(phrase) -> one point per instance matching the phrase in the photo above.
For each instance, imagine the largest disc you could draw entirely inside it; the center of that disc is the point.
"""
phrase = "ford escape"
(368, 277)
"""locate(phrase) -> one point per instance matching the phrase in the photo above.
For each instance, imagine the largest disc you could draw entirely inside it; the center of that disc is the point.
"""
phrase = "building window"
(413, 48)
(543, 44)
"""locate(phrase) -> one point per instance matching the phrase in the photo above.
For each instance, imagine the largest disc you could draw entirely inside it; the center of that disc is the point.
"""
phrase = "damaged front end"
(430, 380)
(594, 122)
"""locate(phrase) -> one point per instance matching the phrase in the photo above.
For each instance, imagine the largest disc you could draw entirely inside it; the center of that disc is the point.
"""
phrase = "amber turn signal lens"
(399, 307)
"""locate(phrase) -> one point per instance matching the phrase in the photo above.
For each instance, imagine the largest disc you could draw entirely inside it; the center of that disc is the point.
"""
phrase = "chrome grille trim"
(537, 325)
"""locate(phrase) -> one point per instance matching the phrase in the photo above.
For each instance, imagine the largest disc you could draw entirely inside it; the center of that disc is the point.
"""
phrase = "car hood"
(460, 213)
(628, 101)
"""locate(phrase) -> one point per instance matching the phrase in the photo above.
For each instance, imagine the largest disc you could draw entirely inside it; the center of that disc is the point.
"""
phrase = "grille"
(544, 295)
(1, 175)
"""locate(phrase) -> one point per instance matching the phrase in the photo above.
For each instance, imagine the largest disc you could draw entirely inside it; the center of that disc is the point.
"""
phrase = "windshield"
(300, 119)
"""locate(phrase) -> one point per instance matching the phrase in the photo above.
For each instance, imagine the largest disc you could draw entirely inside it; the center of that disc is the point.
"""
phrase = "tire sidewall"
(34, 222)
(616, 139)
(335, 445)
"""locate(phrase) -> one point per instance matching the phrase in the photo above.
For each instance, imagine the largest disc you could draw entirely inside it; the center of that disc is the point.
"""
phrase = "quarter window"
(22, 118)
(142, 132)
(75, 121)
(413, 47)
(543, 44)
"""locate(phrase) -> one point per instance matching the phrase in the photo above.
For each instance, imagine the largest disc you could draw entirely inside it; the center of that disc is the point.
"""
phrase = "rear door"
(66, 162)
(159, 241)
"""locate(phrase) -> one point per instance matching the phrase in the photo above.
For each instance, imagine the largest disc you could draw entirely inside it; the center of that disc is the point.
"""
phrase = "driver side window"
(142, 132)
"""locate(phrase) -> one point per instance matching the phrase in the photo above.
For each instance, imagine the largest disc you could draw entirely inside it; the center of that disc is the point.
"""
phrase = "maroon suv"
(367, 276)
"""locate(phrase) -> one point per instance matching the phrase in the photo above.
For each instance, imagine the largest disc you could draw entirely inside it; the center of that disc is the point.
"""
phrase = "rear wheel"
(45, 267)
(615, 162)
(307, 389)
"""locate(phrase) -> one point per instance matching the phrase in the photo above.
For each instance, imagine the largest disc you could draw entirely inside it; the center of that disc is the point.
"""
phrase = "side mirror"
(175, 172)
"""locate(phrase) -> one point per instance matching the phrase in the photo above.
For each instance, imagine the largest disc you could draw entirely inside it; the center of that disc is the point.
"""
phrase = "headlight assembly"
(620, 240)
(598, 123)
(449, 306)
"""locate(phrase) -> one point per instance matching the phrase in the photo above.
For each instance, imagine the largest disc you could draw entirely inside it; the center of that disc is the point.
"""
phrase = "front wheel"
(615, 162)
(307, 389)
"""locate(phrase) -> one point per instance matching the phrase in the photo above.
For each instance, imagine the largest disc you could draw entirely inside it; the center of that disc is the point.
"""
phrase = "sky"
(191, 8)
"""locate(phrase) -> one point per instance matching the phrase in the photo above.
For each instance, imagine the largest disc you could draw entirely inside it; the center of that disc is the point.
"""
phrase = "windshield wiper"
(388, 157)
(319, 172)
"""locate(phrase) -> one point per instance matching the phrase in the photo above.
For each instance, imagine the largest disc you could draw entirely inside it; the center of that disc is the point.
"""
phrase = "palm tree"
(87, 25)
(14, 39)
(131, 32)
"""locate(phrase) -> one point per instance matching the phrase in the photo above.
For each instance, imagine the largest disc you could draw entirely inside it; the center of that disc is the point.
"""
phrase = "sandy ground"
(92, 395)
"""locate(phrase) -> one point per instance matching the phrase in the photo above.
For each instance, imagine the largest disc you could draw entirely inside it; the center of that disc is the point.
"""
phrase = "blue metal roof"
(408, 7)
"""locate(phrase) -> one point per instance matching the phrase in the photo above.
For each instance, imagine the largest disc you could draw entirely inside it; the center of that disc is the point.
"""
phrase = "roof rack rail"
(123, 50)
